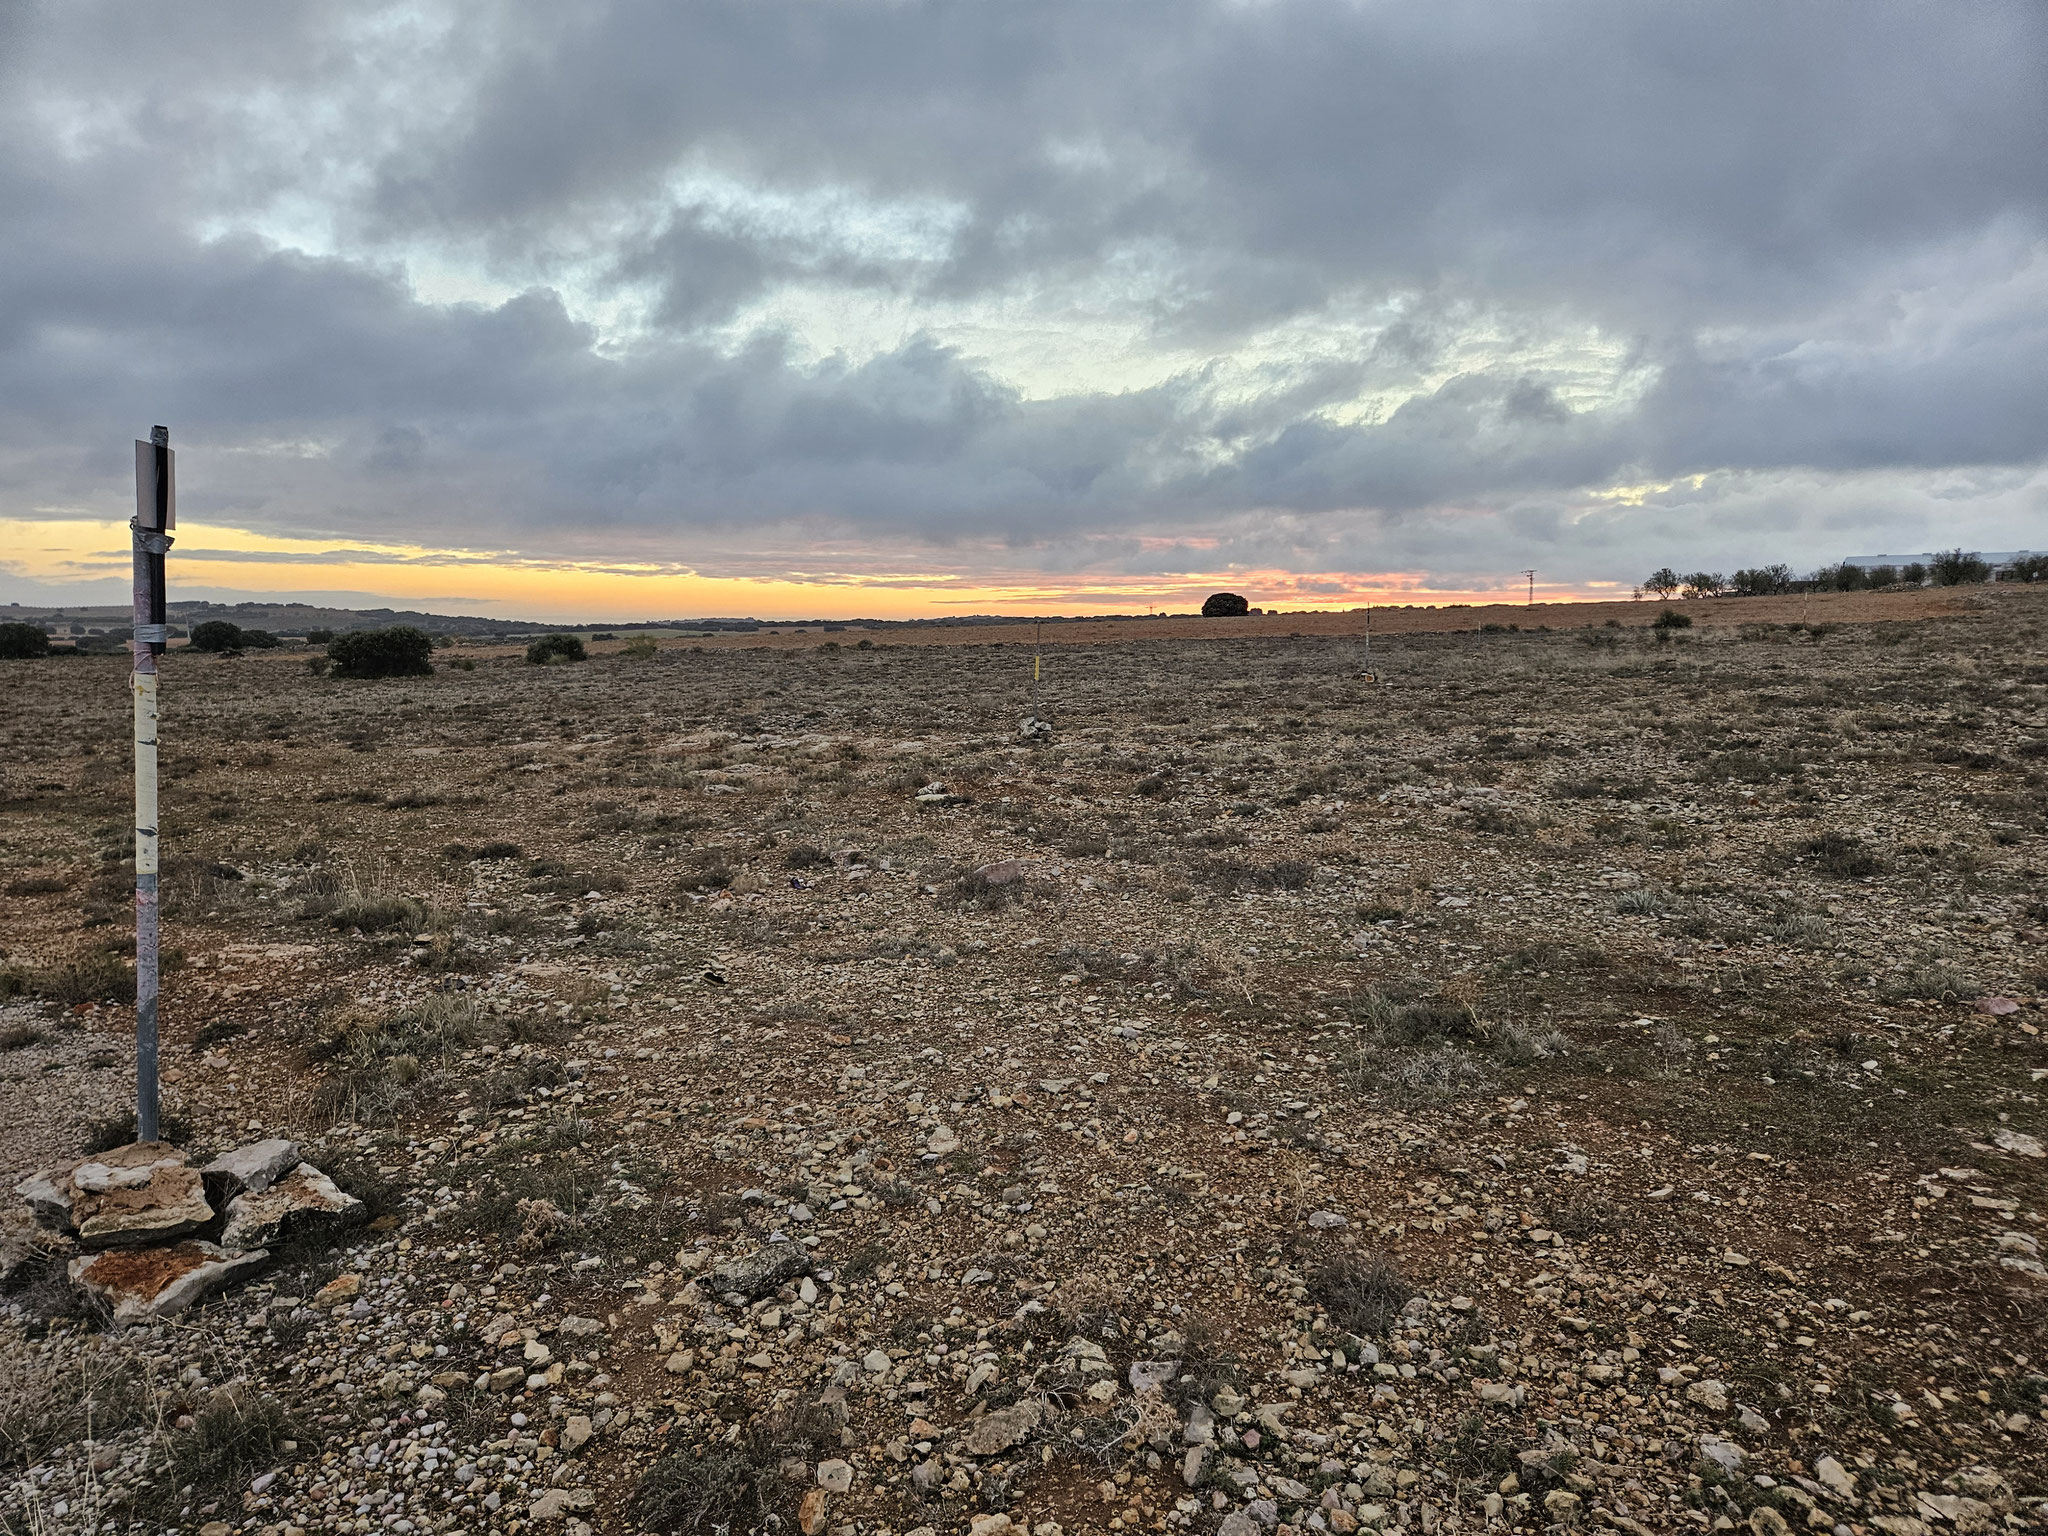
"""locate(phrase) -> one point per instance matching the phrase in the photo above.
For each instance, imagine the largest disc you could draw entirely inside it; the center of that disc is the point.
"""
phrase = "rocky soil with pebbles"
(1563, 1079)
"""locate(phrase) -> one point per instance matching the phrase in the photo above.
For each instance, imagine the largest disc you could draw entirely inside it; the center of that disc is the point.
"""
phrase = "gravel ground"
(1578, 1079)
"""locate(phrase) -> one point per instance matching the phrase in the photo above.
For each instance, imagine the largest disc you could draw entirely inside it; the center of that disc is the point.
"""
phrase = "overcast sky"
(1073, 291)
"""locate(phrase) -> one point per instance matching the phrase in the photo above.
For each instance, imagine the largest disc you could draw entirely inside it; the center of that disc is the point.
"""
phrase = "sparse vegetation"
(1361, 1293)
(1262, 1015)
(236, 1435)
(737, 1482)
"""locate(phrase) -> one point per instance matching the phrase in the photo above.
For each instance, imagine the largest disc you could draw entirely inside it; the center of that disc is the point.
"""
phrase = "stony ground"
(1567, 1079)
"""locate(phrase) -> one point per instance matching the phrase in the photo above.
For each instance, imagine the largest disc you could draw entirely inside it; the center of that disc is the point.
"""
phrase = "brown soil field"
(1572, 1077)
(1712, 613)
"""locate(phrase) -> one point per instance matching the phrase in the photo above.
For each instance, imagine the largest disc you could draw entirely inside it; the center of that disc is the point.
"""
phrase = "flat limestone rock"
(251, 1169)
(144, 1284)
(998, 1431)
(111, 1171)
(172, 1204)
(760, 1272)
(63, 1197)
(49, 1198)
(304, 1198)
(141, 1193)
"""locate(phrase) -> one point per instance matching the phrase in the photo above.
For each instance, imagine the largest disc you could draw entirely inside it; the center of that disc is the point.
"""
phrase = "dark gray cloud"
(1345, 286)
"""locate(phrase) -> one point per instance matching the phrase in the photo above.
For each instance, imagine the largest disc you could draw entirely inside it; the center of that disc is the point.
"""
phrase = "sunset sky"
(894, 307)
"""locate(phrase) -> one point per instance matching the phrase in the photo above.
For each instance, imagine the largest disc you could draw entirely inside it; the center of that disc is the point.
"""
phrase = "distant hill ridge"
(294, 619)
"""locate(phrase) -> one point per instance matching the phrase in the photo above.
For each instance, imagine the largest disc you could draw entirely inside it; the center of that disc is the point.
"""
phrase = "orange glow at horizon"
(506, 584)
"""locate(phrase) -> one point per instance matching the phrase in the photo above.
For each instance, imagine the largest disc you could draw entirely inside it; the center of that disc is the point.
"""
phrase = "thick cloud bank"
(1449, 287)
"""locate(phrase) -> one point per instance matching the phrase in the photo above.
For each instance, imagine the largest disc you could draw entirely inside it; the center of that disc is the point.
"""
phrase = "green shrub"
(1671, 618)
(217, 635)
(400, 651)
(1954, 567)
(1225, 605)
(22, 642)
(1914, 574)
(552, 648)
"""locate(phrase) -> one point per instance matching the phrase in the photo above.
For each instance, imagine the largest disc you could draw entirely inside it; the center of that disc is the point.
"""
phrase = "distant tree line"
(227, 638)
(1950, 568)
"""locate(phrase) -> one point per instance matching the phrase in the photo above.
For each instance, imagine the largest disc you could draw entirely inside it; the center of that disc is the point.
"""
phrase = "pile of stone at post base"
(153, 1234)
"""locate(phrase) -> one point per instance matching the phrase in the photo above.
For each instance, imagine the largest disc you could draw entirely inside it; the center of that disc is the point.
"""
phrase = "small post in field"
(1035, 728)
(1037, 638)
(156, 513)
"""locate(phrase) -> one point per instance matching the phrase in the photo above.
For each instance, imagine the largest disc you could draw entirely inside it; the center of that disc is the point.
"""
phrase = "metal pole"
(1036, 633)
(154, 513)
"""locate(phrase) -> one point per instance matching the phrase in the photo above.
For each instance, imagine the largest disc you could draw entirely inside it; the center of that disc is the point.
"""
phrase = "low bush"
(1671, 618)
(235, 1436)
(400, 651)
(216, 636)
(378, 912)
(1428, 1048)
(98, 976)
(738, 1483)
(22, 642)
(1843, 855)
(1362, 1294)
(553, 648)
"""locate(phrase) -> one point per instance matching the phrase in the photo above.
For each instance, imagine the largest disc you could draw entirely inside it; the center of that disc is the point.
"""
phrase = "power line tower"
(1531, 574)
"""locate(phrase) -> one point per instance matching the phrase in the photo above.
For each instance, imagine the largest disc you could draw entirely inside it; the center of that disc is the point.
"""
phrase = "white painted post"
(155, 515)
